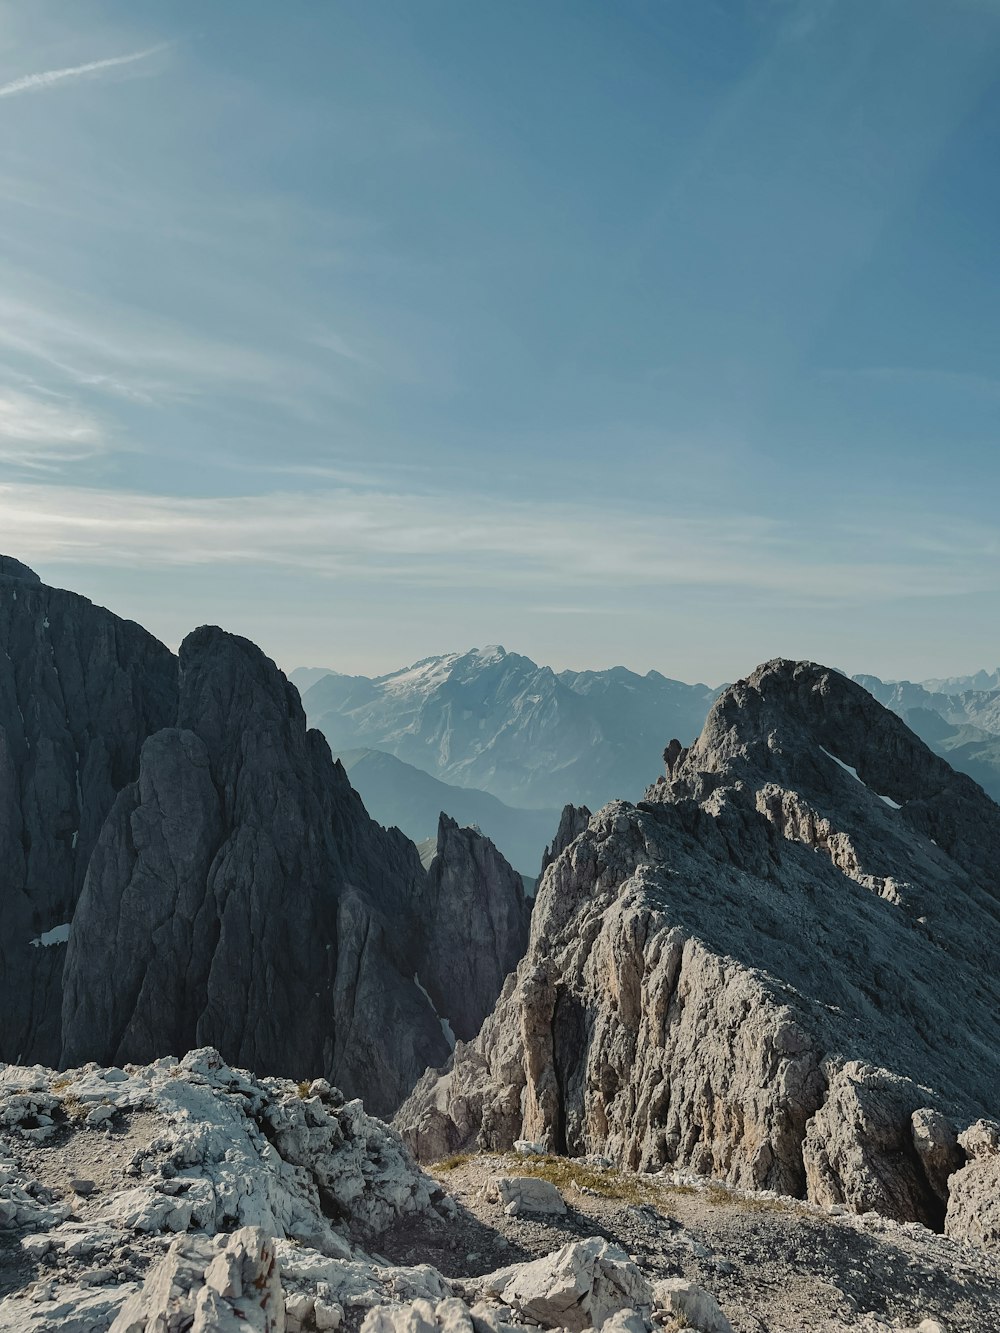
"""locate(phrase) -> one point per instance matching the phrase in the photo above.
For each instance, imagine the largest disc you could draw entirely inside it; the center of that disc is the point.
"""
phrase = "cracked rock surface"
(778, 969)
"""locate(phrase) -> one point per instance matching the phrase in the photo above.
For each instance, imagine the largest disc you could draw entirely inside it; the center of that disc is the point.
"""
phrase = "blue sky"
(657, 333)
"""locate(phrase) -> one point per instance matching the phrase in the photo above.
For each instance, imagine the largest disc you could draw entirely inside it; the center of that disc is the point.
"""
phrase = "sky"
(653, 333)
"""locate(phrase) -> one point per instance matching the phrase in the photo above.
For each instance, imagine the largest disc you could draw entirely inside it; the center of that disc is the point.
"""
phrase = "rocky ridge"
(775, 970)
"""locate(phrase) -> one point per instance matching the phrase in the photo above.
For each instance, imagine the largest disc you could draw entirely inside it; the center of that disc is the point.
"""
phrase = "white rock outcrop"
(974, 1192)
(236, 1175)
(526, 1194)
(227, 1285)
(579, 1286)
(697, 1307)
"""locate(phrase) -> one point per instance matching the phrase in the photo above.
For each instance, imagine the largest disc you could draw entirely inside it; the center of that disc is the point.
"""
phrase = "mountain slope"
(80, 692)
(184, 862)
(963, 724)
(496, 721)
(777, 969)
(397, 794)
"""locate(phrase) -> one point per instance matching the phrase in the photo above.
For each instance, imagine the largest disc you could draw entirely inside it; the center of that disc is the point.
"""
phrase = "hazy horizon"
(655, 334)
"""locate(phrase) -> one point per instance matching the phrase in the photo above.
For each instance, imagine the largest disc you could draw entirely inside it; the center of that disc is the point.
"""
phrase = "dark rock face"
(476, 921)
(80, 692)
(774, 969)
(194, 868)
(237, 886)
(13, 569)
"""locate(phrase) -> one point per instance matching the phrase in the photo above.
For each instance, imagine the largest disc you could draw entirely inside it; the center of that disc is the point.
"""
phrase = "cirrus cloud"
(476, 541)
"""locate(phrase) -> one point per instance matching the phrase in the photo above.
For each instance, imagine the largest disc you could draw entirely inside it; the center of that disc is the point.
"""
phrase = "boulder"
(626, 1321)
(526, 1194)
(230, 1285)
(577, 1287)
(694, 1305)
(974, 1191)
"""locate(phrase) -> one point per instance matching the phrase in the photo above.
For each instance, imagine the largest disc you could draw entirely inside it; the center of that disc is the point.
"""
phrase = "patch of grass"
(723, 1198)
(303, 1088)
(572, 1173)
(452, 1163)
(61, 1084)
(74, 1109)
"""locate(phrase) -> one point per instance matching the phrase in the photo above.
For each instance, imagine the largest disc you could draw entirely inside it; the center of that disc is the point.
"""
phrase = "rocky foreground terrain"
(191, 1196)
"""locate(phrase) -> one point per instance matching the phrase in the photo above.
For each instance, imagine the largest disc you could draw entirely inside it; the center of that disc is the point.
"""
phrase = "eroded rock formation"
(762, 971)
(476, 919)
(184, 864)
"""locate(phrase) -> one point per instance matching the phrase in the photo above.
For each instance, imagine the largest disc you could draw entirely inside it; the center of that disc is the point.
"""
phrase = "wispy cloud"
(475, 541)
(41, 432)
(29, 83)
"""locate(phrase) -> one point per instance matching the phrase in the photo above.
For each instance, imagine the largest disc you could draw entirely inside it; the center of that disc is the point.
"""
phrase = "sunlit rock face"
(761, 971)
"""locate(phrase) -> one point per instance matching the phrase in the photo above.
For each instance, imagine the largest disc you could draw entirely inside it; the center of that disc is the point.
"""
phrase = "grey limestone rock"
(14, 569)
(761, 971)
(974, 1191)
(526, 1194)
(232, 1286)
(183, 863)
(572, 822)
(577, 1287)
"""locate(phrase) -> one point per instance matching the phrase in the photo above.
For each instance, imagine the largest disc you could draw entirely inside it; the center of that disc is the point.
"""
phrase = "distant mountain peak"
(495, 720)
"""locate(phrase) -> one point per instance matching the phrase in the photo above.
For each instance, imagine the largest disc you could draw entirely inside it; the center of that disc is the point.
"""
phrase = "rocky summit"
(777, 970)
(184, 863)
(191, 1197)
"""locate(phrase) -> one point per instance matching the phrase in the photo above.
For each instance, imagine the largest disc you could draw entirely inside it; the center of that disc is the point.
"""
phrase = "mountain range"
(958, 718)
(493, 724)
(773, 968)
(492, 720)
